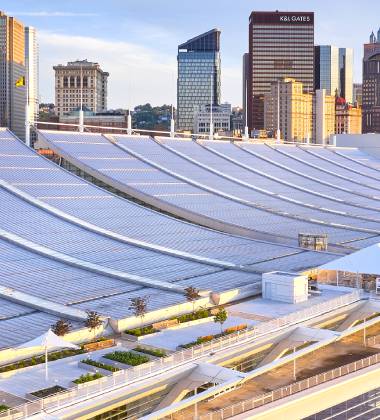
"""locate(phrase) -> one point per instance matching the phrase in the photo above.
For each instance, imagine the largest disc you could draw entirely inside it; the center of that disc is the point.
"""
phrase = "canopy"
(365, 261)
(48, 340)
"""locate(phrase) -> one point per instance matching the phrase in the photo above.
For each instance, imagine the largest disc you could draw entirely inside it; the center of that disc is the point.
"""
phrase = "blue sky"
(136, 41)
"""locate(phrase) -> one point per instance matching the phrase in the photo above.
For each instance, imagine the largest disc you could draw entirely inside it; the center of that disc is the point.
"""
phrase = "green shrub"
(152, 352)
(40, 359)
(199, 314)
(87, 378)
(3, 407)
(138, 332)
(100, 365)
(127, 357)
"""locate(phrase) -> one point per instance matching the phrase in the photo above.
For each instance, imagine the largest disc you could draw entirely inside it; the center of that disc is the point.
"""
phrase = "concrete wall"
(368, 143)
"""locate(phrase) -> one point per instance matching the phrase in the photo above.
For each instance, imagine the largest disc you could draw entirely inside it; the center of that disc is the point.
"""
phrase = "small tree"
(192, 294)
(61, 327)
(93, 321)
(139, 307)
(221, 317)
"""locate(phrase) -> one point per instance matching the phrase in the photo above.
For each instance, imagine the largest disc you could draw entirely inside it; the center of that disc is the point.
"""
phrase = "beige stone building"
(70, 79)
(302, 116)
(348, 118)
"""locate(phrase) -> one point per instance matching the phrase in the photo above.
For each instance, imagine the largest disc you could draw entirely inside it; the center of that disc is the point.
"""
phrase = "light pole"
(81, 115)
(278, 133)
(211, 134)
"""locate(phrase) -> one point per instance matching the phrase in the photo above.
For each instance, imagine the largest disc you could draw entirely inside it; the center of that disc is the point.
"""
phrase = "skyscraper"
(78, 78)
(281, 44)
(32, 69)
(371, 86)
(245, 85)
(346, 74)
(198, 72)
(12, 69)
(326, 68)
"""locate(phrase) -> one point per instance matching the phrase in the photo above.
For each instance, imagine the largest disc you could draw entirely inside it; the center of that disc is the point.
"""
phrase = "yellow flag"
(20, 81)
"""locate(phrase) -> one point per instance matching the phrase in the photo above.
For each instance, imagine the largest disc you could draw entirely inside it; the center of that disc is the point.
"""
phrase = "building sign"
(291, 18)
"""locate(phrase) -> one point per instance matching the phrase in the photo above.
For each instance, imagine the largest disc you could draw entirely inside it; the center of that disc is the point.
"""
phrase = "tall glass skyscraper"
(198, 72)
(333, 70)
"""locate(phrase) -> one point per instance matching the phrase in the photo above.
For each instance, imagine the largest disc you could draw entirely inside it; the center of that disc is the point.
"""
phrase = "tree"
(139, 307)
(192, 294)
(221, 317)
(93, 321)
(61, 327)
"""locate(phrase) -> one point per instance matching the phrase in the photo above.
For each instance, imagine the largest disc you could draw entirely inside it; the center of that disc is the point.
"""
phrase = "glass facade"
(327, 69)
(198, 72)
(346, 77)
(371, 88)
(281, 45)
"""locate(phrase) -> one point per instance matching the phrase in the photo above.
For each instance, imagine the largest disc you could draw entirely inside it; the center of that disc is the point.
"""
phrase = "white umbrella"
(48, 340)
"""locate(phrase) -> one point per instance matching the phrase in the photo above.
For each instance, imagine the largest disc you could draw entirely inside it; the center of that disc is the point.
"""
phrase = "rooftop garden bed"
(3, 407)
(127, 357)
(46, 392)
(87, 378)
(100, 365)
(138, 332)
(207, 338)
(199, 314)
(152, 352)
(40, 359)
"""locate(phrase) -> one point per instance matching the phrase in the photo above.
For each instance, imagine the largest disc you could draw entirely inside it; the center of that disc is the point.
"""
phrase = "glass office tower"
(198, 73)
(281, 44)
(326, 68)
(346, 76)
(333, 70)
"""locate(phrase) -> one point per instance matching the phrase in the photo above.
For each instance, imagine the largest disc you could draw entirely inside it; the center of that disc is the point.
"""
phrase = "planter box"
(162, 325)
(113, 363)
(99, 345)
(191, 323)
(89, 383)
(51, 398)
(94, 369)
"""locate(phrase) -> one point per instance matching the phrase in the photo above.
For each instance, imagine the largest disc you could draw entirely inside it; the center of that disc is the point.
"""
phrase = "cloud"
(138, 74)
(51, 14)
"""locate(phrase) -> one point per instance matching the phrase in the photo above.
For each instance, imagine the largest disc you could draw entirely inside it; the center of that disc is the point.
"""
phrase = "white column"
(46, 364)
(172, 131)
(81, 115)
(129, 123)
(278, 132)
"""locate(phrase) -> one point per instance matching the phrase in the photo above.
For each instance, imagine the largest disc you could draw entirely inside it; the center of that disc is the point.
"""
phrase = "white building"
(32, 71)
(221, 118)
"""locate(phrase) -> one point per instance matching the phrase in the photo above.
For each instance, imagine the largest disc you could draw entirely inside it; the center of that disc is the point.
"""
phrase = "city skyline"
(128, 42)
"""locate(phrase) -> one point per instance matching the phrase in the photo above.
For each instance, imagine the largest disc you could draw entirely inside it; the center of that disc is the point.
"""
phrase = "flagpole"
(46, 363)
(211, 134)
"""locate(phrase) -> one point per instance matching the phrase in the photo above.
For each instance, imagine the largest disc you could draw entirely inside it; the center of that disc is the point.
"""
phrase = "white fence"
(291, 389)
(123, 377)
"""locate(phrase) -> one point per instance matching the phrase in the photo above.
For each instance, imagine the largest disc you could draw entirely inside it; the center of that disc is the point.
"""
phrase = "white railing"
(123, 377)
(286, 391)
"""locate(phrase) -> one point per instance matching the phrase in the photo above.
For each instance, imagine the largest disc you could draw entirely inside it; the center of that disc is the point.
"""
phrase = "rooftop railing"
(124, 377)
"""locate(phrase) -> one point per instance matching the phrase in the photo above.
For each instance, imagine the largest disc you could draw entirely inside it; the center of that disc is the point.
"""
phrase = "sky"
(136, 40)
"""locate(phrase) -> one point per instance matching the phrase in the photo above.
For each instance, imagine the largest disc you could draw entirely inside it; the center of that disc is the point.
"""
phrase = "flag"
(20, 81)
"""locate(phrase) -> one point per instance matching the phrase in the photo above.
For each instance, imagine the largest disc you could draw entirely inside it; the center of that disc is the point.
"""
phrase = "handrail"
(291, 389)
(124, 377)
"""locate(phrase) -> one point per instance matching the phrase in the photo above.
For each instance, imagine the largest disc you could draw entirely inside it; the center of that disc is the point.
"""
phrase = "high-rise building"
(32, 70)
(12, 69)
(281, 44)
(326, 68)
(198, 80)
(371, 86)
(348, 118)
(357, 94)
(346, 74)
(301, 116)
(77, 82)
(333, 70)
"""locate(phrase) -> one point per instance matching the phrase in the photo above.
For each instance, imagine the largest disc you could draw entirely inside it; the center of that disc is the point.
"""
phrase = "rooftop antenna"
(211, 134)
(81, 115)
(246, 131)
